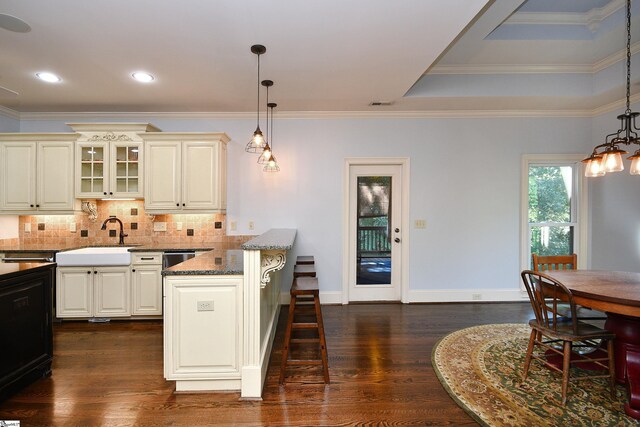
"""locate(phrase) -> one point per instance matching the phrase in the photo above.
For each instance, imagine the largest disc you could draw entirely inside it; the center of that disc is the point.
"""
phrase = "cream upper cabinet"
(109, 169)
(186, 172)
(109, 160)
(37, 173)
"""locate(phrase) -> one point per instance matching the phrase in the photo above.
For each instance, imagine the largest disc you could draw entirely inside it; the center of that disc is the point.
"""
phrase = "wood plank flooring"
(379, 361)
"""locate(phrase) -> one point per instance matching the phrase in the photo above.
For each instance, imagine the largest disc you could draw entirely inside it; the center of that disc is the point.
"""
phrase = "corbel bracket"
(270, 261)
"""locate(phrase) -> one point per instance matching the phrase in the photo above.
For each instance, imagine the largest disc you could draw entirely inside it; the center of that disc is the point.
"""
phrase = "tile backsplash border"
(79, 230)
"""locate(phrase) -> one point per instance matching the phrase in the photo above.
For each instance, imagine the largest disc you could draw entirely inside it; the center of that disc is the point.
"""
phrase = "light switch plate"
(251, 225)
(420, 223)
(72, 227)
(159, 226)
(27, 227)
(233, 225)
(178, 226)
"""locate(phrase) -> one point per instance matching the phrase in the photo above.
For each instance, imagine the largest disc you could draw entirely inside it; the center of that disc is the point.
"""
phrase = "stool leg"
(287, 338)
(323, 343)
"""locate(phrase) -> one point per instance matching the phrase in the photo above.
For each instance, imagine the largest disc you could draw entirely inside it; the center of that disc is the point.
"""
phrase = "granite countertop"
(17, 268)
(215, 262)
(152, 247)
(274, 239)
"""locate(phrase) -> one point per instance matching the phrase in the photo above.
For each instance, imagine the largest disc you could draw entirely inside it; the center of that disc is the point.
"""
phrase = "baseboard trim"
(467, 295)
(436, 295)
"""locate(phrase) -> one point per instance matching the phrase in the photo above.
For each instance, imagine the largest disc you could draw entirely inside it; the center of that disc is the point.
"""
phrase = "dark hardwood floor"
(379, 362)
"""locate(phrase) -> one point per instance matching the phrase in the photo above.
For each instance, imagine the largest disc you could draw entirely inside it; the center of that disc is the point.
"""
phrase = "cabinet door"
(74, 292)
(55, 176)
(18, 169)
(200, 175)
(92, 171)
(126, 170)
(146, 282)
(162, 176)
(111, 292)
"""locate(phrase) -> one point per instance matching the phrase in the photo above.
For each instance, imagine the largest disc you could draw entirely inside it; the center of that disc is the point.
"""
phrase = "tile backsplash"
(78, 229)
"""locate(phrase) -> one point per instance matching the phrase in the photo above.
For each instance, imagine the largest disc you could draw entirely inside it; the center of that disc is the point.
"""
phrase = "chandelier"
(607, 157)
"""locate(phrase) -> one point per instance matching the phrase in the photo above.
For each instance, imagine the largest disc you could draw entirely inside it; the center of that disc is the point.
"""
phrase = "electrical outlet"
(233, 226)
(476, 297)
(205, 306)
(178, 226)
(72, 227)
(159, 226)
(27, 227)
(420, 223)
(250, 225)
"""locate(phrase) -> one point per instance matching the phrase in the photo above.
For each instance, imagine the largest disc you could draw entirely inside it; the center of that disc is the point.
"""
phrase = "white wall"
(465, 182)
(8, 124)
(615, 210)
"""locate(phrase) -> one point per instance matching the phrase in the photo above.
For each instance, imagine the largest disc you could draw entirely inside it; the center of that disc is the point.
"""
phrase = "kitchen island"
(26, 335)
(220, 315)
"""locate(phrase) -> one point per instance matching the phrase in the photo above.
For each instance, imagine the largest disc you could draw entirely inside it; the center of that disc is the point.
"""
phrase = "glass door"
(127, 171)
(93, 179)
(375, 235)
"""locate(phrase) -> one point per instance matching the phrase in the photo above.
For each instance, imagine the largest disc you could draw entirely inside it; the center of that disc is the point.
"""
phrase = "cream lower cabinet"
(93, 292)
(185, 172)
(146, 284)
(36, 173)
(202, 332)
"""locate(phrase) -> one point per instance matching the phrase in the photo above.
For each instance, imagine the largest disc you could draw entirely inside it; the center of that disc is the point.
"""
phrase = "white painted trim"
(582, 249)
(331, 297)
(591, 19)
(614, 58)
(405, 163)
(8, 112)
(467, 295)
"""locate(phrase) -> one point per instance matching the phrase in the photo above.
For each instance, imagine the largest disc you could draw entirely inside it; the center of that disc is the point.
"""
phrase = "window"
(553, 213)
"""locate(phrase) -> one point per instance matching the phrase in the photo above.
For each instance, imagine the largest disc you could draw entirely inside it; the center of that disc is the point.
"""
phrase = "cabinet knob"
(177, 204)
(37, 206)
(95, 272)
(183, 204)
(133, 269)
(31, 205)
(88, 272)
(105, 193)
(111, 193)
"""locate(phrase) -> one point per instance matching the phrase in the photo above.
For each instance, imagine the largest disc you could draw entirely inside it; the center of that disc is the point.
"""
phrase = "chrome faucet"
(113, 218)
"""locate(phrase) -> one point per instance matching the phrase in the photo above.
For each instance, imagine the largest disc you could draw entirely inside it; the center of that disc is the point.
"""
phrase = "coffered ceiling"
(323, 55)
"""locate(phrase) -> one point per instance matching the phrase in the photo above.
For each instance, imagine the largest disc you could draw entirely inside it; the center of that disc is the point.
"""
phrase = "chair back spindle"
(545, 294)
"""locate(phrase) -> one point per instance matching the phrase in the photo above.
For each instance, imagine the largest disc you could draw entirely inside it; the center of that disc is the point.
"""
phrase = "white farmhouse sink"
(94, 256)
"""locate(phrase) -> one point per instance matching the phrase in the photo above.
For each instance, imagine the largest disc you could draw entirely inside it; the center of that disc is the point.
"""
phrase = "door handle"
(397, 240)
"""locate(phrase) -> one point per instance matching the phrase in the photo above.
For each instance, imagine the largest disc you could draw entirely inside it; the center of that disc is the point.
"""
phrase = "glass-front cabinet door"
(109, 170)
(92, 175)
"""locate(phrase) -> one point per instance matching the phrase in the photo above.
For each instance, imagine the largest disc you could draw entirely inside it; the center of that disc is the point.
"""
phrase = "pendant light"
(271, 164)
(266, 152)
(607, 157)
(256, 144)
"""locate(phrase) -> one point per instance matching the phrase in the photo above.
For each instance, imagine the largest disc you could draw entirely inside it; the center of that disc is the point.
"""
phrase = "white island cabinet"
(220, 315)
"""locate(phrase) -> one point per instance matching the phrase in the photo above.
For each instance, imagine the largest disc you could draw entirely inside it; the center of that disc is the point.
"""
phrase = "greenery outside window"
(553, 215)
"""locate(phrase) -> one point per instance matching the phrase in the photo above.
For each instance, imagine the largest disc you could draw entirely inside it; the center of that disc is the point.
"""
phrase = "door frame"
(404, 163)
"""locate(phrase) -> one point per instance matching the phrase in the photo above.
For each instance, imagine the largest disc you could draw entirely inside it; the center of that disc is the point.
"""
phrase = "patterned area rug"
(481, 366)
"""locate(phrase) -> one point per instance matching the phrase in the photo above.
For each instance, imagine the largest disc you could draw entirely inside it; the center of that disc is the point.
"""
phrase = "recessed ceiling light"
(142, 76)
(48, 77)
(11, 23)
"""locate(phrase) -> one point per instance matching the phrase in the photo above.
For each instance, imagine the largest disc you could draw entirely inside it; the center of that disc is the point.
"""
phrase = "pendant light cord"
(267, 135)
(628, 56)
(258, 106)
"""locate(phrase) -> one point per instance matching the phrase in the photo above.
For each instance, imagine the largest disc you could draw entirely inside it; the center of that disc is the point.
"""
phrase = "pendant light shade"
(257, 141)
(271, 164)
(607, 157)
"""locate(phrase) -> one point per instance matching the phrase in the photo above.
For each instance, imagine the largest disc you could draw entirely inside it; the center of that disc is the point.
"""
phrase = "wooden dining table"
(617, 293)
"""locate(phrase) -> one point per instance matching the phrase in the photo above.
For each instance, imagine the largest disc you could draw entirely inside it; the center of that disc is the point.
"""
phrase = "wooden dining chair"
(551, 327)
(564, 262)
(554, 262)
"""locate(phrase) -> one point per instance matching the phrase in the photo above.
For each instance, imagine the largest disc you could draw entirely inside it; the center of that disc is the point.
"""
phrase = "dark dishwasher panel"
(169, 259)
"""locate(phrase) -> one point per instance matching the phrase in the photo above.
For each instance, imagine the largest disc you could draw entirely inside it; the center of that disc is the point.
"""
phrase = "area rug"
(480, 367)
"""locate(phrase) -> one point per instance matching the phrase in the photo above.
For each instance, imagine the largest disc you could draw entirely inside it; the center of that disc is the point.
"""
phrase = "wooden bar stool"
(305, 259)
(304, 270)
(305, 286)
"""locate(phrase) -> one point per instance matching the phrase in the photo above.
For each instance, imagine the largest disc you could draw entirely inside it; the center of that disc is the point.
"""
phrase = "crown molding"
(8, 112)
(602, 64)
(591, 19)
(89, 115)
